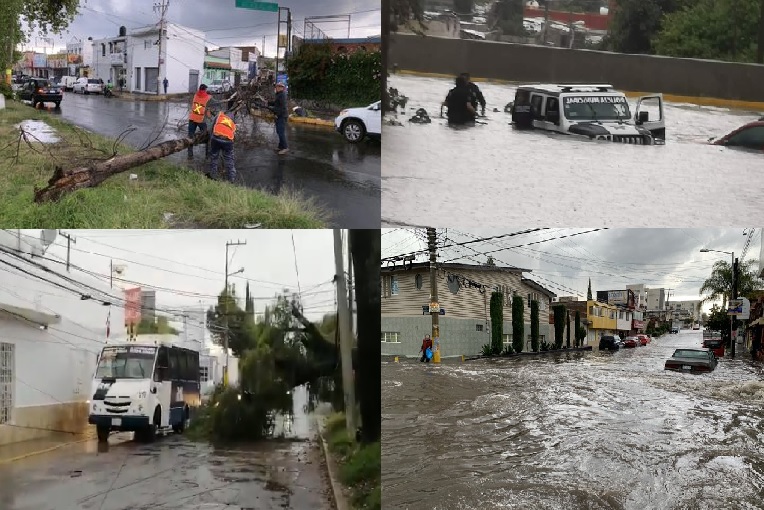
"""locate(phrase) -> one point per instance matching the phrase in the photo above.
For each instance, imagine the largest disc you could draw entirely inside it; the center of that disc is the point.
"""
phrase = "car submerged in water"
(595, 111)
(691, 360)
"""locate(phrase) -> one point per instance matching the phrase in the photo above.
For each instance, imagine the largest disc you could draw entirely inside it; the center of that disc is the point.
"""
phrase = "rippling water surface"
(492, 175)
(577, 431)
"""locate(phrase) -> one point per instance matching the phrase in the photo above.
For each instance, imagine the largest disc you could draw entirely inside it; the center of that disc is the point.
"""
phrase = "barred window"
(390, 337)
(7, 365)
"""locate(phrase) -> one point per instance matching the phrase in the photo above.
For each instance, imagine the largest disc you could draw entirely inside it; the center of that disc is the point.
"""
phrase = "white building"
(135, 57)
(623, 320)
(686, 309)
(80, 53)
(656, 299)
(640, 295)
(53, 324)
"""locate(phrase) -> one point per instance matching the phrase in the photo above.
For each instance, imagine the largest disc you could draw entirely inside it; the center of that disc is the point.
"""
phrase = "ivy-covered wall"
(350, 80)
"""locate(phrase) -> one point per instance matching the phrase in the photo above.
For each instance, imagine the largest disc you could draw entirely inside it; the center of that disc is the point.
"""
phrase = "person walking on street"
(279, 108)
(477, 95)
(196, 118)
(223, 132)
(426, 344)
(165, 83)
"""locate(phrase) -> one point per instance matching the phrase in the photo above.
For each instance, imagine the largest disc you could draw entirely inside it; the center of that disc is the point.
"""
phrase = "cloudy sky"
(668, 258)
(222, 22)
(187, 267)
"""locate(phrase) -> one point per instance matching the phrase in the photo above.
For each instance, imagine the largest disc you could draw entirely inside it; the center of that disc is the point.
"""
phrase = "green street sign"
(257, 6)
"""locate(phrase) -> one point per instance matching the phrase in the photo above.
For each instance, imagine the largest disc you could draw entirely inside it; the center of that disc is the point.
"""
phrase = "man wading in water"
(459, 103)
(476, 95)
(426, 344)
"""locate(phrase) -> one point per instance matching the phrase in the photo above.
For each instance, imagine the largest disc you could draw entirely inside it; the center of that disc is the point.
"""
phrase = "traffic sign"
(257, 6)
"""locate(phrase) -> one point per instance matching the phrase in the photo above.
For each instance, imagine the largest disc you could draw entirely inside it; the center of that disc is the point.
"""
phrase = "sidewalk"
(339, 493)
(21, 450)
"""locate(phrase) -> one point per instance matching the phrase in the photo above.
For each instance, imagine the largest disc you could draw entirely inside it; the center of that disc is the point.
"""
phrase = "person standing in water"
(459, 103)
(426, 344)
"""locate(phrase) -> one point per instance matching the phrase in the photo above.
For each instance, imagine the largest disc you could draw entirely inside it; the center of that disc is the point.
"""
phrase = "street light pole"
(734, 296)
(227, 297)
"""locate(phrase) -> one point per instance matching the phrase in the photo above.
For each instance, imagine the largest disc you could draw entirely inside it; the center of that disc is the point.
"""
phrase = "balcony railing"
(116, 58)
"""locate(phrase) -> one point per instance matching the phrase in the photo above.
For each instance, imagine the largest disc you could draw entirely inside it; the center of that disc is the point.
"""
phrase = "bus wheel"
(103, 434)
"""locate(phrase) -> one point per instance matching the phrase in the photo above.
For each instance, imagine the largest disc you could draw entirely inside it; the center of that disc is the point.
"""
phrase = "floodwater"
(578, 431)
(493, 175)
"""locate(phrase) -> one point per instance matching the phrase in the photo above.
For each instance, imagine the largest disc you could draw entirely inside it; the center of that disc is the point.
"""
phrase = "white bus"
(144, 388)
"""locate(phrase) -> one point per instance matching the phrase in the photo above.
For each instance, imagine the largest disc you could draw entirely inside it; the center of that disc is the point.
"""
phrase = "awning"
(29, 315)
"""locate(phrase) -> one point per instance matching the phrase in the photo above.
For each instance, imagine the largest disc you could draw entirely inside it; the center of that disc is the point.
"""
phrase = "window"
(392, 286)
(103, 50)
(146, 44)
(752, 137)
(536, 102)
(203, 374)
(418, 281)
(389, 337)
(453, 284)
(507, 338)
(7, 365)
(479, 327)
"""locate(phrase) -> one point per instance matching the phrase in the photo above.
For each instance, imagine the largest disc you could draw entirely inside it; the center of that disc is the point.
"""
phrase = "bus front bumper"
(122, 423)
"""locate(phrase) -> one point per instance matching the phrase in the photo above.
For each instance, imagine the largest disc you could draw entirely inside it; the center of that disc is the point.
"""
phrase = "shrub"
(518, 323)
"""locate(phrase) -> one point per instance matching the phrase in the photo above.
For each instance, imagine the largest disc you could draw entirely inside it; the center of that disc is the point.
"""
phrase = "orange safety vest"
(198, 108)
(224, 127)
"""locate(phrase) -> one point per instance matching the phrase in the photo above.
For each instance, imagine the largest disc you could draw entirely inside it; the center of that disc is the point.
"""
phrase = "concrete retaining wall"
(524, 63)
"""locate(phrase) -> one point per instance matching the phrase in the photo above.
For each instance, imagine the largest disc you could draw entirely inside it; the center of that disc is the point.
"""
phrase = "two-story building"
(53, 324)
(79, 55)
(135, 58)
(464, 294)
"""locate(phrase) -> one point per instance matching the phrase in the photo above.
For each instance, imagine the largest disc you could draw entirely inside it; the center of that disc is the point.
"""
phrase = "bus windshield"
(126, 362)
(596, 107)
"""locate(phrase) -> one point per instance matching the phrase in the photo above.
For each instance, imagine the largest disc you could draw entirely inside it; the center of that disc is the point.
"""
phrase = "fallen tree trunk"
(66, 181)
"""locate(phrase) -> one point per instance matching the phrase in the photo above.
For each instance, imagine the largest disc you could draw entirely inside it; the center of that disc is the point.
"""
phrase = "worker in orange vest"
(196, 118)
(223, 132)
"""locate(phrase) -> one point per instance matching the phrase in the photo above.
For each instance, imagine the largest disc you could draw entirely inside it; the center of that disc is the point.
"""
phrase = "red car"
(631, 341)
(750, 136)
(643, 339)
(714, 345)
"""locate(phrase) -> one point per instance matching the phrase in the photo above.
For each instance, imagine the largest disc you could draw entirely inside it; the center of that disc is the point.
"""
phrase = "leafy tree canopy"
(719, 284)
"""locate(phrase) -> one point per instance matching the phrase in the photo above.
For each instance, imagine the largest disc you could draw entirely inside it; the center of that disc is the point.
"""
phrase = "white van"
(144, 388)
(67, 82)
(595, 111)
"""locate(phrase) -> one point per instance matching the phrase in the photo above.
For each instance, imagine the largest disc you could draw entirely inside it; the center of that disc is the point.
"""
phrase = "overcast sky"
(668, 258)
(222, 22)
(188, 266)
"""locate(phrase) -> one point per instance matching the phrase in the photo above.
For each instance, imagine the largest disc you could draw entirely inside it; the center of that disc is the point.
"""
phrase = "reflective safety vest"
(198, 108)
(224, 127)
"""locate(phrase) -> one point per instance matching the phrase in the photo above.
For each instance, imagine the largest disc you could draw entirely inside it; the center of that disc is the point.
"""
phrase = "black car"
(40, 90)
(610, 343)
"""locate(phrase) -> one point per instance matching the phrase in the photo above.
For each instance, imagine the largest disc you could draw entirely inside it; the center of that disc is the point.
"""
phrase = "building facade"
(148, 305)
(79, 56)
(464, 293)
(135, 58)
(686, 309)
(51, 333)
(656, 299)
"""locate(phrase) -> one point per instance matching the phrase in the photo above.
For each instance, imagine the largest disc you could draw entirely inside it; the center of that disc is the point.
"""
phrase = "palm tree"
(719, 284)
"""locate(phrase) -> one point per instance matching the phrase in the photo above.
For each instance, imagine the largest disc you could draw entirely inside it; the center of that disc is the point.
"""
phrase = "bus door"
(162, 385)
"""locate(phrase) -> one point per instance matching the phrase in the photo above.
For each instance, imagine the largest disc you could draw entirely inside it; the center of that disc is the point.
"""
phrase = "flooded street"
(552, 179)
(587, 430)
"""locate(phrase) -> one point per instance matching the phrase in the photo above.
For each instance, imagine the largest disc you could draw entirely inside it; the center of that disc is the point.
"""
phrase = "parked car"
(610, 343)
(674, 331)
(218, 87)
(715, 345)
(67, 82)
(643, 339)
(88, 86)
(40, 91)
(691, 360)
(631, 342)
(749, 136)
(356, 123)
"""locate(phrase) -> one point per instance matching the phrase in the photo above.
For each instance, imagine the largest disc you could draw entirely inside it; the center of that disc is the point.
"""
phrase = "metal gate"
(193, 80)
(152, 75)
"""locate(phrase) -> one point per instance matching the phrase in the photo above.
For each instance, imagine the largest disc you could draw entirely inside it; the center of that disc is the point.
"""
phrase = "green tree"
(518, 323)
(718, 320)
(577, 323)
(719, 284)
(589, 291)
(490, 262)
(712, 29)
(567, 316)
(636, 22)
(535, 326)
(160, 326)
(507, 15)
(463, 6)
(405, 13)
(559, 325)
(497, 322)
(44, 16)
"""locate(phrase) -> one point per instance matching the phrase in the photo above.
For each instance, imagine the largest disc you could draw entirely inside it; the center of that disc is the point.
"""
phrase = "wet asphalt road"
(595, 431)
(343, 178)
(172, 473)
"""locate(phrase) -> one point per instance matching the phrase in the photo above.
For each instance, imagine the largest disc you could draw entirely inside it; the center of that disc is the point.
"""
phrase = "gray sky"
(222, 22)
(187, 266)
(668, 258)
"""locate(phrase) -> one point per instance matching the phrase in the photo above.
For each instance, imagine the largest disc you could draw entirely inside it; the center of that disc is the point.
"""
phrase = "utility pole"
(111, 273)
(350, 287)
(225, 308)
(162, 9)
(434, 304)
(734, 296)
(346, 354)
(69, 241)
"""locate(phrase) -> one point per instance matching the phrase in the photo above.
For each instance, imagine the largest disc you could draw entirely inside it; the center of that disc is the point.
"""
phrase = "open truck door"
(649, 114)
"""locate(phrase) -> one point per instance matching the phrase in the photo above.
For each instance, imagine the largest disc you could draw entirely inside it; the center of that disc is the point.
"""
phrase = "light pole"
(733, 291)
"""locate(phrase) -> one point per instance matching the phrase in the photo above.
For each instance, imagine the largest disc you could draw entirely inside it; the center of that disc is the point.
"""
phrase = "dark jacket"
(279, 105)
(477, 96)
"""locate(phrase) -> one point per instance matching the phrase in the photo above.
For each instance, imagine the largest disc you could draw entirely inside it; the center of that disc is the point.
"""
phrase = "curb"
(46, 450)
(337, 494)
(698, 100)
